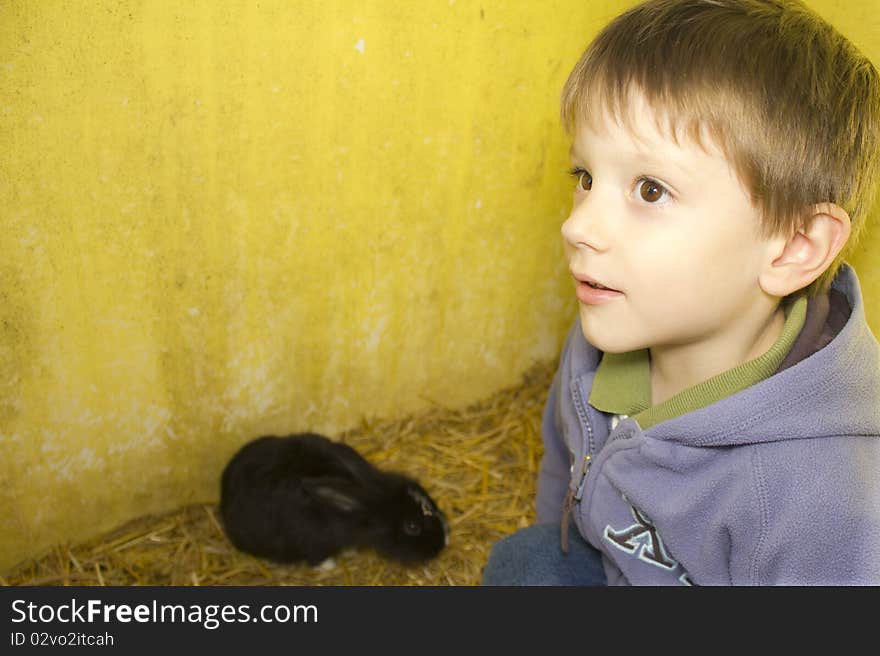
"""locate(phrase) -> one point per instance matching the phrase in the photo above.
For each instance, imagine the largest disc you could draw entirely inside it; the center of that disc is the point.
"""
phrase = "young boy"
(715, 418)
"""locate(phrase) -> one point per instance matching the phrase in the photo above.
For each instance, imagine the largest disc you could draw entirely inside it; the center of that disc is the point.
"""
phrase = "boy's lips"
(592, 282)
(590, 291)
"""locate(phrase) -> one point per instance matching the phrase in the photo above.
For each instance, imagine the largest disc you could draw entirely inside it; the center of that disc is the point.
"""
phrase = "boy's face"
(670, 227)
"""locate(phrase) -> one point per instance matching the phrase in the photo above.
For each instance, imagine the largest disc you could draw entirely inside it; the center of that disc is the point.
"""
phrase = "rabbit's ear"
(338, 492)
(353, 462)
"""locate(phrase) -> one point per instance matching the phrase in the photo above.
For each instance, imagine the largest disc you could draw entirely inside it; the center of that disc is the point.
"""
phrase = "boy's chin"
(607, 342)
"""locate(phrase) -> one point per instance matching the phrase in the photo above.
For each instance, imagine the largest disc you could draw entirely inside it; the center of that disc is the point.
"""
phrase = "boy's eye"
(651, 191)
(584, 179)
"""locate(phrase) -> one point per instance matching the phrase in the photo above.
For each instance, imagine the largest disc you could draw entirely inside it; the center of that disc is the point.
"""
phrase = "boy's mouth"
(591, 282)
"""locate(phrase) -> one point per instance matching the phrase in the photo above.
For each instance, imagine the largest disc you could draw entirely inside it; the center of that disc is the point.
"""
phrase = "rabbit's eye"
(412, 527)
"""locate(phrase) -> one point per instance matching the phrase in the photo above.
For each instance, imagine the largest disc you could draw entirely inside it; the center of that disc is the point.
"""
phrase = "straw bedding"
(478, 463)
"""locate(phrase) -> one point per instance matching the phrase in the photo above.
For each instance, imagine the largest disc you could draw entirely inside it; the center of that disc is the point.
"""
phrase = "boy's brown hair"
(792, 103)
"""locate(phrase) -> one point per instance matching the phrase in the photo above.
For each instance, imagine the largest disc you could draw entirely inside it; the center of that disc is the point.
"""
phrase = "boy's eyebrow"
(681, 168)
(644, 159)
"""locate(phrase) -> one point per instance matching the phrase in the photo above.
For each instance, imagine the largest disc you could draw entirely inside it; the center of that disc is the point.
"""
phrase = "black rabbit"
(306, 497)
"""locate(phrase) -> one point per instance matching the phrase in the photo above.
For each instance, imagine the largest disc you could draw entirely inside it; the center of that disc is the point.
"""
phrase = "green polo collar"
(623, 380)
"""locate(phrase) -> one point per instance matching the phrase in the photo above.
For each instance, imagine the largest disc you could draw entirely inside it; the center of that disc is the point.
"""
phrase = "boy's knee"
(512, 559)
(506, 563)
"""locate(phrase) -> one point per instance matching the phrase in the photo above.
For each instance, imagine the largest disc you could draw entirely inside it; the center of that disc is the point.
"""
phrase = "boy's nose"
(585, 226)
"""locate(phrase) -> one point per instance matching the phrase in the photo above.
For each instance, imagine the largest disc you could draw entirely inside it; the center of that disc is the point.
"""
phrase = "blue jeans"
(533, 556)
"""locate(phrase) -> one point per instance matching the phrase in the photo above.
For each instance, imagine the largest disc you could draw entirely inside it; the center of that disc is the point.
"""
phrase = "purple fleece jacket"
(776, 484)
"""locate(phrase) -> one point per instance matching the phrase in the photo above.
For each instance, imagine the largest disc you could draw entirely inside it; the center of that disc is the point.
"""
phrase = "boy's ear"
(797, 260)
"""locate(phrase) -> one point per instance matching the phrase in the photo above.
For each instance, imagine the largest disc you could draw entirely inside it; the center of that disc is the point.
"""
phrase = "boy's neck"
(676, 368)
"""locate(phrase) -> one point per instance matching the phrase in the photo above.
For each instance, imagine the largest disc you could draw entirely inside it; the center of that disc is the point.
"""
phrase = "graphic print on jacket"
(641, 540)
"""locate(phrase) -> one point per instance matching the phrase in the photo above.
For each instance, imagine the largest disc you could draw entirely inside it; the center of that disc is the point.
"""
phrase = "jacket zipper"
(588, 447)
(588, 462)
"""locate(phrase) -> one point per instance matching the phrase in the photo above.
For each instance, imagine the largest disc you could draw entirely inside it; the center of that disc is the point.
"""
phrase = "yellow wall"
(859, 20)
(226, 218)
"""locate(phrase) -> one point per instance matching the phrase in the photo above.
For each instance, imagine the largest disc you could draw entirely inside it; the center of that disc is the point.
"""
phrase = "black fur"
(305, 497)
